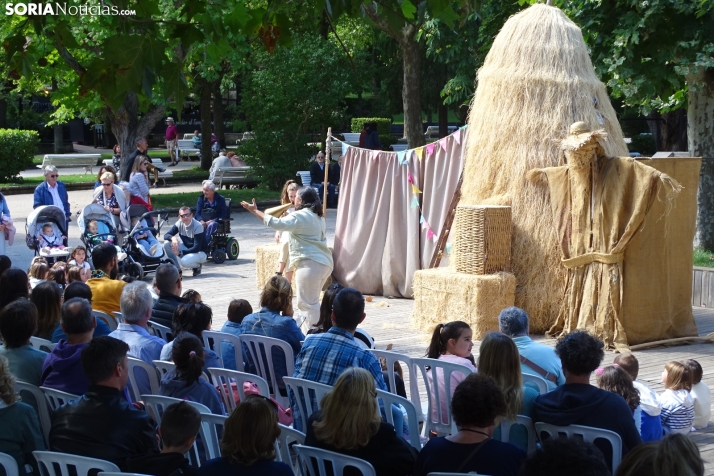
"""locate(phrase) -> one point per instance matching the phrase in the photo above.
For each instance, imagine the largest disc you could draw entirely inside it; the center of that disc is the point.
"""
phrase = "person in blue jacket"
(210, 208)
(52, 192)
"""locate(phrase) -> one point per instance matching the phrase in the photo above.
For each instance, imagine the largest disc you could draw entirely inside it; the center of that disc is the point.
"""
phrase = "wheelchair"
(223, 246)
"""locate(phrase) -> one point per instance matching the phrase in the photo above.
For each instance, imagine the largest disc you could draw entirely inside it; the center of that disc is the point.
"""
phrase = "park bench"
(232, 176)
(186, 148)
(352, 138)
(432, 132)
(71, 160)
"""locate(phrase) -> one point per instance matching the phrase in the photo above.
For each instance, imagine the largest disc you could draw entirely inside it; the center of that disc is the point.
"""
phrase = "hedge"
(384, 124)
(17, 149)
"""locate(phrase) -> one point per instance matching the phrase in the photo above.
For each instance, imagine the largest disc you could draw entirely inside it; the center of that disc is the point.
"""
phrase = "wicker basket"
(482, 244)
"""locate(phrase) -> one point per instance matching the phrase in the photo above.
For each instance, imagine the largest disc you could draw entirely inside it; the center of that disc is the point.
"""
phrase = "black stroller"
(140, 259)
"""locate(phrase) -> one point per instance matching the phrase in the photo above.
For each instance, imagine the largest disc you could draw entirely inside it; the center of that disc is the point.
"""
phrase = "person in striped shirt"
(677, 404)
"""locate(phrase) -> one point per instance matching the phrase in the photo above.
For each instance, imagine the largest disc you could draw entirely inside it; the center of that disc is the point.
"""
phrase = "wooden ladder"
(446, 228)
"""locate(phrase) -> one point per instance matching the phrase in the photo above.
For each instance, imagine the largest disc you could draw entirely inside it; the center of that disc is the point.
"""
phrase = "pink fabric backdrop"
(379, 242)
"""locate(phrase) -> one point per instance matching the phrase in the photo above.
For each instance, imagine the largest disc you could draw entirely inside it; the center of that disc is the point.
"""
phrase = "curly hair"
(7, 383)
(580, 353)
(615, 379)
(477, 401)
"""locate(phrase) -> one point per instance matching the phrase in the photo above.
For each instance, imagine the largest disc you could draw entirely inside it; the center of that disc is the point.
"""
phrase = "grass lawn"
(703, 258)
(175, 200)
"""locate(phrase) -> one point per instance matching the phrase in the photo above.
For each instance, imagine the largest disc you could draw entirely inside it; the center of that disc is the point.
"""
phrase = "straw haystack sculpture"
(598, 204)
(535, 82)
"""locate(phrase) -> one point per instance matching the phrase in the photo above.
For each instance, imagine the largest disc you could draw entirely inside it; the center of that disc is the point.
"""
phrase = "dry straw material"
(482, 243)
(442, 295)
(536, 81)
(266, 264)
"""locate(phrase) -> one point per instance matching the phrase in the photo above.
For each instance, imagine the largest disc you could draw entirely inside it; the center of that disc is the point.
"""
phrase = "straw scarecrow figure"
(598, 203)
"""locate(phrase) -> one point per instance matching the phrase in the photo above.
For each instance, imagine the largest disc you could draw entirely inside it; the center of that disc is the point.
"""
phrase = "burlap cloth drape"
(595, 221)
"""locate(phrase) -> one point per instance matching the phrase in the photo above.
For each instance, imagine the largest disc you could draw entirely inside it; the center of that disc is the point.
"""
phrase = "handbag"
(285, 415)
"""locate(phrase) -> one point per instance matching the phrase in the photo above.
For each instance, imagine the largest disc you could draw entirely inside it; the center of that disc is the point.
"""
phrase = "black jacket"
(162, 464)
(164, 308)
(102, 424)
(130, 164)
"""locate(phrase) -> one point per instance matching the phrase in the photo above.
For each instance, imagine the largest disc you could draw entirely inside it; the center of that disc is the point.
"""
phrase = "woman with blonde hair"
(20, 432)
(287, 196)
(139, 179)
(248, 443)
(275, 319)
(499, 359)
(110, 196)
(349, 423)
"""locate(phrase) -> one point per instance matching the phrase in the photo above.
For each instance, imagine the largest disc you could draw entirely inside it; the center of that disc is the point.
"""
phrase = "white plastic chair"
(163, 366)
(46, 460)
(222, 378)
(118, 317)
(42, 344)
(108, 320)
(536, 380)
(260, 351)
(308, 395)
(160, 330)
(526, 422)
(220, 339)
(210, 436)
(147, 368)
(587, 433)
(42, 407)
(156, 404)
(57, 398)
(9, 464)
(434, 397)
(307, 454)
(391, 358)
(287, 439)
(390, 399)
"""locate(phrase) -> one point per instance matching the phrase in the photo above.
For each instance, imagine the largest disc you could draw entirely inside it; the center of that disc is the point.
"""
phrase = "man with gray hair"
(136, 304)
(536, 359)
(210, 209)
(52, 192)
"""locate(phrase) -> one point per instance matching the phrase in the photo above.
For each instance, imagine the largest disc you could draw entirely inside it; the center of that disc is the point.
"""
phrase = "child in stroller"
(145, 237)
(93, 236)
(48, 240)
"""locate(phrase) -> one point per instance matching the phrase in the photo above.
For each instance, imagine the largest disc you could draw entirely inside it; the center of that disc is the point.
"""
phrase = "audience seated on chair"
(79, 289)
(673, 455)
(248, 443)
(179, 427)
(184, 381)
(536, 359)
(47, 298)
(566, 457)
(106, 288)
(324, 357)
(62, 369)
(579, 403)
(650, 423)
(476, 404)
(194, 318)
(237, 310)
(15, 285)
(274, 320)
(136, 304)
(18, 321)
(168, 282)
(102, 424)
(20, 432)
(349, 423)
(325, 322)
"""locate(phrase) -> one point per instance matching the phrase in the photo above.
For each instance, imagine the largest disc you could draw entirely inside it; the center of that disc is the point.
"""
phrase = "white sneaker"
(154, 249)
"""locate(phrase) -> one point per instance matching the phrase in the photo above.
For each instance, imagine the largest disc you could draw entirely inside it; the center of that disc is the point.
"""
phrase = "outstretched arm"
(253, 208)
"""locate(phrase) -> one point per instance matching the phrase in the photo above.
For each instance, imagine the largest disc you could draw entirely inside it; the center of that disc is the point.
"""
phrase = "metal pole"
(328, 156)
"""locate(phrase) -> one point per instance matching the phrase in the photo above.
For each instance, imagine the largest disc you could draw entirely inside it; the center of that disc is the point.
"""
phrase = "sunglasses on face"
(106, 184)
(53, 176)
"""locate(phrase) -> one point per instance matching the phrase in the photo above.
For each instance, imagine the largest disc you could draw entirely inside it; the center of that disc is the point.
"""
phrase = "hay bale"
(482, 243)
(266, 264)
(442, 295)
(537, 79)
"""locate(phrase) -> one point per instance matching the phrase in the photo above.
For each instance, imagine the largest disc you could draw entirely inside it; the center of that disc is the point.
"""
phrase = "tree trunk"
(674, 131)
(218, 113)
(701, 144)
(3, 112)
(57, 129)
(127, 126)
(205, 108)
(411, 90)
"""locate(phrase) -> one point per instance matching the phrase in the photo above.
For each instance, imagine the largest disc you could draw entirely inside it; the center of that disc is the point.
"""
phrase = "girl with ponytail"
(452, 343)
(185, 381)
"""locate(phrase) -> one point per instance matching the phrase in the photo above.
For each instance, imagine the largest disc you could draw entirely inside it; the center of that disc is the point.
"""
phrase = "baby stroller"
(105, 229)
(139, 259)
(221, 245)
(40, 216)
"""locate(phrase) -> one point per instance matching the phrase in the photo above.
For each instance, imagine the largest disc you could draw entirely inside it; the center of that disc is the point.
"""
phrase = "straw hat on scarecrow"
(580, 135)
